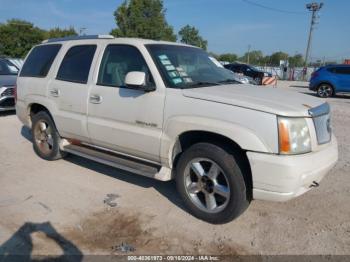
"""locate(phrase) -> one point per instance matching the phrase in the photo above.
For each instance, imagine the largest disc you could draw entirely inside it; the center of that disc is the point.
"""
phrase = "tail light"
(15, 92)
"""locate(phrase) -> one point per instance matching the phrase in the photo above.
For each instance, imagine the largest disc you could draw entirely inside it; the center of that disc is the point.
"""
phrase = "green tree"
(190, 35)
(276, 57)
(256, 57)
(17, 37)
(228, 57)
(143, 19)
(296, 61)
(266, 60)
(58, 32)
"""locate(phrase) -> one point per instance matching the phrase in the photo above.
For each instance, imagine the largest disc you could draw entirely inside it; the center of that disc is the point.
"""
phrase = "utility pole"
(248, 54)
(314, 8)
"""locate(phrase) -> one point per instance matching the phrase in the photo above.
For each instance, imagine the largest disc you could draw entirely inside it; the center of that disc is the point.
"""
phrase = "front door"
(343, 76)
(122, 119)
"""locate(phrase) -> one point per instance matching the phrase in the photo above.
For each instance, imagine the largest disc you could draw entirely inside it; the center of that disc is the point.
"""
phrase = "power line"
(273, 8)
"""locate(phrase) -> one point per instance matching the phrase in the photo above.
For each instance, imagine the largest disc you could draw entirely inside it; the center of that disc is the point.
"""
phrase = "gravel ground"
(66, 207)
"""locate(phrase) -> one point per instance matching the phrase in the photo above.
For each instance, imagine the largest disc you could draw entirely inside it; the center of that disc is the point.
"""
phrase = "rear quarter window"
(39, 61)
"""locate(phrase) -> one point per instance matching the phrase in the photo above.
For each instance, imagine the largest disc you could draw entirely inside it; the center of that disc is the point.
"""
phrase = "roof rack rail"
(80, 37)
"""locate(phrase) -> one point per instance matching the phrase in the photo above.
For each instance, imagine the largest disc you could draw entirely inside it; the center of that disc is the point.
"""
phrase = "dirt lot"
(58, 207)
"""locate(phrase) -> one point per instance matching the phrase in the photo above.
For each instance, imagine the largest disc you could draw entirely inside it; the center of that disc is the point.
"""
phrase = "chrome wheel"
(43, 137)
(325, 91)
(207, 185)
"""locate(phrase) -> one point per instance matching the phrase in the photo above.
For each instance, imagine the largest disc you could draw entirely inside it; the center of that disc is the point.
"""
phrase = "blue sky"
(228, 25)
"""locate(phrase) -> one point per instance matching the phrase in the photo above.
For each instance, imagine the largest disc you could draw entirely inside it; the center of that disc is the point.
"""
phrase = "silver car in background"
(8, 77)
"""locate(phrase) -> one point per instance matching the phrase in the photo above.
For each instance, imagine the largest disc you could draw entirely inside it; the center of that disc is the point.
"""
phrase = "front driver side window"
(117, 61)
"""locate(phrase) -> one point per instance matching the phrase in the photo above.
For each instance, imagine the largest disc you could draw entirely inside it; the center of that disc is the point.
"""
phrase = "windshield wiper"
(202, 84)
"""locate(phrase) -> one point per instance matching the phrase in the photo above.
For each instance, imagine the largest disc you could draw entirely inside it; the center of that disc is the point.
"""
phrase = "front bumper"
(7, 99)
(281, 178)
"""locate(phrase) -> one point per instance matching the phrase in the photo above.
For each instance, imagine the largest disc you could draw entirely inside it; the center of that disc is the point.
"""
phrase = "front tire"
(325, 90)
(45, 137)
(211, 183)
(258, 81)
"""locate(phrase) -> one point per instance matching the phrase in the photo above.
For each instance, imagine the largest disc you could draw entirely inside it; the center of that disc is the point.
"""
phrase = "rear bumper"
(281, 178)
(312, 86)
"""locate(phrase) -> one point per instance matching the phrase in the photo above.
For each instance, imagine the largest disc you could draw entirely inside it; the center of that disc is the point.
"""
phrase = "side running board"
(115, 160)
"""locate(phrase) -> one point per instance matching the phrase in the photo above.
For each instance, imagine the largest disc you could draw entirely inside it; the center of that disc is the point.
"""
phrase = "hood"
(266, 99)
(7, 80)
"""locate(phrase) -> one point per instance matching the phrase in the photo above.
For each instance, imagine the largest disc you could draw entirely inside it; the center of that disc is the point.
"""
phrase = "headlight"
(294, 136)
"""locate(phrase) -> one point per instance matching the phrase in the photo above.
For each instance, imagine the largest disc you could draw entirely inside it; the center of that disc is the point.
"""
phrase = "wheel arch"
(36, 107)
(328, 83)
(178, 127)
(189, 138)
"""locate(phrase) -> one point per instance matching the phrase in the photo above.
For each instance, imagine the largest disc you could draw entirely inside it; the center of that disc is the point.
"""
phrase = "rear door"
(69, 90)
(343, 76)
(122, 119)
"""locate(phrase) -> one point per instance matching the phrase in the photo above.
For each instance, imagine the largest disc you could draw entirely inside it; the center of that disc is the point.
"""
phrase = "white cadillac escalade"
(167, 111)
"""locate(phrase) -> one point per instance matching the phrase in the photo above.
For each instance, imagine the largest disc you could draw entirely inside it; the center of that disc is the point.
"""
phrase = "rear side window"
(76, 64)
(343, 70)
(39, 61)
(332, 70)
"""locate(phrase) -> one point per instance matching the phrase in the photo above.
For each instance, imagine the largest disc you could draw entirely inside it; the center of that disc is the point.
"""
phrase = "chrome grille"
(322, 122)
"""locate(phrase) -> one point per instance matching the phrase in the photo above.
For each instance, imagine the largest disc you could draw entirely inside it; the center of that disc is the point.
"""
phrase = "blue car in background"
(329, 80)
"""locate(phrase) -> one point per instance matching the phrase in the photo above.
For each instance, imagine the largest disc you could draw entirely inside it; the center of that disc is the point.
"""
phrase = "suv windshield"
(7, 68)
(188, 67)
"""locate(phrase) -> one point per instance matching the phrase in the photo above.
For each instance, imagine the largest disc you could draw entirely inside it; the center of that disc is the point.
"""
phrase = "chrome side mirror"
(138, 80)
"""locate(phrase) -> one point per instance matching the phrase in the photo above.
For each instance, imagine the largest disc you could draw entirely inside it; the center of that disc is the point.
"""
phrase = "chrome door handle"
(55, 92)
(96, 99)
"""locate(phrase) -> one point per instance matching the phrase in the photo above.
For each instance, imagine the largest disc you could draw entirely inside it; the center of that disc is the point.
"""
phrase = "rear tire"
(45, 137)
(325, 90)
(211, 184)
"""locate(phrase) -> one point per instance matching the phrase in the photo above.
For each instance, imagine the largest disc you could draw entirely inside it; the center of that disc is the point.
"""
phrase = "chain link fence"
(292, 74)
